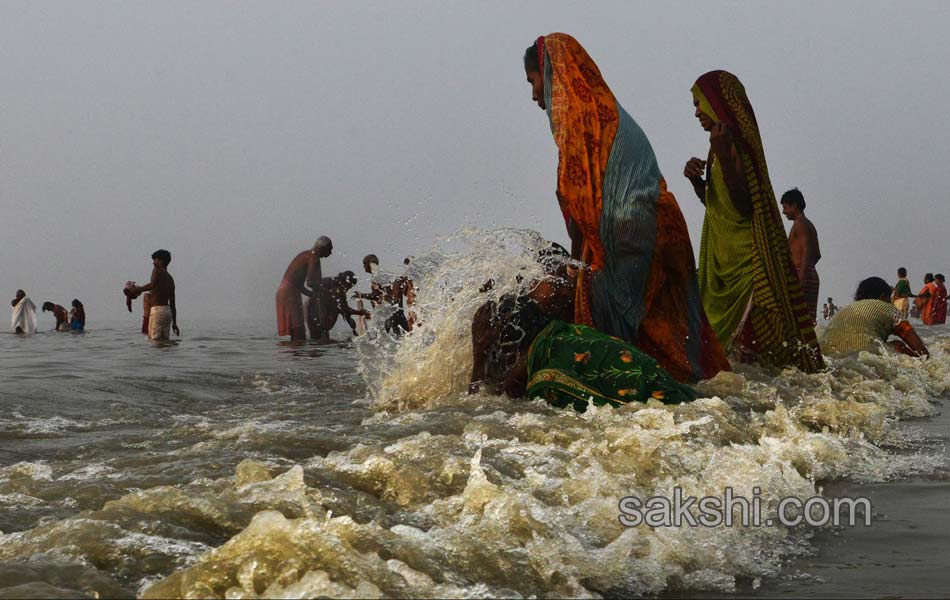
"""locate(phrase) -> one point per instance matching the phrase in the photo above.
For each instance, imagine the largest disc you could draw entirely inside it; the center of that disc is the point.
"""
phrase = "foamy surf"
(434, 493)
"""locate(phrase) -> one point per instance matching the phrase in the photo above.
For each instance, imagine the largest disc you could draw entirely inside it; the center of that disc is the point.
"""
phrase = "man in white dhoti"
(24, 314)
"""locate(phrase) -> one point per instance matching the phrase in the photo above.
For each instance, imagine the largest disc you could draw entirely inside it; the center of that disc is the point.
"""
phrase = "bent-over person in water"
(302, 277)
(868, 322)
(522, 345)
(61, 314)
(332, 298)
(163, 316)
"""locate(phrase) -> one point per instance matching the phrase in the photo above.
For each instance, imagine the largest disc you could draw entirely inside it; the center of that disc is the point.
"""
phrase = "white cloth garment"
(24, 316)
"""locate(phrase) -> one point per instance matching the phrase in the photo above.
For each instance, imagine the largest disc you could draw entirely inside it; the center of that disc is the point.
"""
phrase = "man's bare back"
(803, 243)
(303, 269)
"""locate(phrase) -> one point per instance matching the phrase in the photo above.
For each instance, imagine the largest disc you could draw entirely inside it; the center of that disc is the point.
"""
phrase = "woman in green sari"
(523, 348)
(574, 365)
(747, 280)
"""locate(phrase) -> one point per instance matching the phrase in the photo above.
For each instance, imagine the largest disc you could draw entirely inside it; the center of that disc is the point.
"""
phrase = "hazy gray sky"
(233, 133)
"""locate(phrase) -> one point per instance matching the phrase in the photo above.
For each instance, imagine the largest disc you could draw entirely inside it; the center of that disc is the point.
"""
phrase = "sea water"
(230, 464)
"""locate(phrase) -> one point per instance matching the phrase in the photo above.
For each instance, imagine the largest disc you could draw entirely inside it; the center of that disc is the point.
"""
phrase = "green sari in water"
(573, 365)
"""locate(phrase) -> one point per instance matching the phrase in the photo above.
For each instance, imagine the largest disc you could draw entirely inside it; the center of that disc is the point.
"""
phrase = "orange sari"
(640, 281)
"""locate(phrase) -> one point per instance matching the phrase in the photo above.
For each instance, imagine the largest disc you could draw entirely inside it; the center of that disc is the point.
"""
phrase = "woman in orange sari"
(939, 312)
(925, 300)
(639, 280)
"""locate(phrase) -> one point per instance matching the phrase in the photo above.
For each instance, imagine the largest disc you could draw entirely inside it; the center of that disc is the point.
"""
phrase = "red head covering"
(727, 98)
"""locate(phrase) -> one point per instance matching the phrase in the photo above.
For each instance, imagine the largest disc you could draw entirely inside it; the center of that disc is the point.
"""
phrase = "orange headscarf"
(583, 113)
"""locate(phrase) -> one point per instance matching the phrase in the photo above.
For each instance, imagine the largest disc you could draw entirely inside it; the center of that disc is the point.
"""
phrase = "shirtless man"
(62, 317)
(403, 295)
(803, 243)
(303, 271)
(400, 294)
(163, 316)
(333, 302)
(376, 290)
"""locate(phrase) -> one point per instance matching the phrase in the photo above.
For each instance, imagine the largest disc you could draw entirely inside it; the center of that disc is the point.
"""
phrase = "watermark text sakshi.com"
(732, 510)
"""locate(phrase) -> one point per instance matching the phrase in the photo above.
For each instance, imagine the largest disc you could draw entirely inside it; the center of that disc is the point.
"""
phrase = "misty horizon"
(235, 134)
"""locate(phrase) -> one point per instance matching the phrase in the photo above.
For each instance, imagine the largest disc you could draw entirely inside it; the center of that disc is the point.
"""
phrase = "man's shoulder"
(804, 222)
(810, 225)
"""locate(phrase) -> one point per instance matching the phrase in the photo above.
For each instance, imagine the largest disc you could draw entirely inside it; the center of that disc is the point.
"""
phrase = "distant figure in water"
(146, 311)
(131, 293)
(62, 316)
(333, 302)
(902, 294)
(303, 276)
(748, 281)
(869, 321)
(522, 346)
(924, 301)
(399, 294)
(803, 244)
(77, 317)
(163, 315)
(376, 292)
(403, 296)
(24, 314)
(638, 282)
(832, 309)
(939, 310)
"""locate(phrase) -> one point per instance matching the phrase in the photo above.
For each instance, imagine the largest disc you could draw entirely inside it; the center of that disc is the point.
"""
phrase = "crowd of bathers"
(633, 317)
(24, 315)
(626, 313)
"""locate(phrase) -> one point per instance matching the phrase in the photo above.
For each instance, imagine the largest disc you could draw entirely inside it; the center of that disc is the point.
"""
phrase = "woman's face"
(705, 121)
(537, 87)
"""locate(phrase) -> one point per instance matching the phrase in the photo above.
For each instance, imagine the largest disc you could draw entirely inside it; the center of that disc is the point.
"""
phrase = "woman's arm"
(694, 169)
(723, 146)
(906, 332)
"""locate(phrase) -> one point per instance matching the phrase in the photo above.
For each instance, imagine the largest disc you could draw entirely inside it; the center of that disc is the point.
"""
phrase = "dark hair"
(902, 272)
(872, 288)
(795, 198)
(829, 298)
(48, 306)
(929, 277)
(76, 303)
(163, 255)
(552, 257)
(371, 258)
(939, 276)
(531, 59)
(347, 278)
